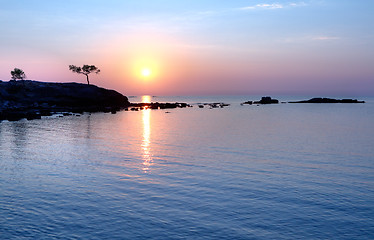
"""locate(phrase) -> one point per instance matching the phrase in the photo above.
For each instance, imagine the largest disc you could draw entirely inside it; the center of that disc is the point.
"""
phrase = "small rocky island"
(264, 100)
(33, 99)
(329, 100)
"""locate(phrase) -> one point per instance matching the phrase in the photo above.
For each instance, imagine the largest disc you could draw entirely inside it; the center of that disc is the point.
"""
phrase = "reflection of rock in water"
(20, 134)
(20, 139)
(88, 126)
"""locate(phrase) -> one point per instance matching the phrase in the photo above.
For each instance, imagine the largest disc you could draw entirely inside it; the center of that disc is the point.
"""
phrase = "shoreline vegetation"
(27, 99)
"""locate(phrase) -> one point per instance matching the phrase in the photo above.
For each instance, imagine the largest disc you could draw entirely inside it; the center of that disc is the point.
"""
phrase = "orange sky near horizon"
(175, 66)
(179, 68)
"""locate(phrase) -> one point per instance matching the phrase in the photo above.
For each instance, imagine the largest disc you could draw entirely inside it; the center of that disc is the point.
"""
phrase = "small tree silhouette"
(85, 70)
(18, 74)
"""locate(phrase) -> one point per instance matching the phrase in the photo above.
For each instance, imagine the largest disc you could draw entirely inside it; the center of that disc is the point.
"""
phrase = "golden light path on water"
(147, 156)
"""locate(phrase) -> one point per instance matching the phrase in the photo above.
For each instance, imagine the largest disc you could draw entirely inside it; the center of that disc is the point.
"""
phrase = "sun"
(145, 69)
(146, 72)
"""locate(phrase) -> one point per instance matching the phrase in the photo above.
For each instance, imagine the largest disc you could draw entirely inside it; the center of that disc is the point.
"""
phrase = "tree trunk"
(87, 79)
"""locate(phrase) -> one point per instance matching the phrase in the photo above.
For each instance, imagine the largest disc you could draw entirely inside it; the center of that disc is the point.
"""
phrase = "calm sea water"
(287, 171)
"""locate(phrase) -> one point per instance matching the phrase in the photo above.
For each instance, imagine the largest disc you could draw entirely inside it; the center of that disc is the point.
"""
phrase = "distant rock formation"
(217, 105)
(264, 100)
(247, 102)
(33, 99)
(329, 100)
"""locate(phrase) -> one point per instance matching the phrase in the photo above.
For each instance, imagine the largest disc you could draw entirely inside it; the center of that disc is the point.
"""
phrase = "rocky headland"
(33, 99)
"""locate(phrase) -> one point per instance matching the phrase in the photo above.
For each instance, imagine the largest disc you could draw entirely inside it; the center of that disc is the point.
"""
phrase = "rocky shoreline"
(30, 100)
(33, 99)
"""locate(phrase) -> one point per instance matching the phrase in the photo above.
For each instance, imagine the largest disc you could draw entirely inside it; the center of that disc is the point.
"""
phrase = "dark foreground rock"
(329, 100)
(32, 99)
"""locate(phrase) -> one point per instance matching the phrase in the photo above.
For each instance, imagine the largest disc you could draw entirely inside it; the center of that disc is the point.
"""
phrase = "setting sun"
(146, 72)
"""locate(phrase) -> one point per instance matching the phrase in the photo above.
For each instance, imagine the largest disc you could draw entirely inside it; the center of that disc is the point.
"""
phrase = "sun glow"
(146, 72)
(145, 68)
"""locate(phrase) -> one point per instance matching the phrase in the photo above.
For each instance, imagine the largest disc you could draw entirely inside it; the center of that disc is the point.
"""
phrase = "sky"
(194, 47)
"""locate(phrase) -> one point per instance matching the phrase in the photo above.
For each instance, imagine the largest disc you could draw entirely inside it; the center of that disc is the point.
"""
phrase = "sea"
(280, 171)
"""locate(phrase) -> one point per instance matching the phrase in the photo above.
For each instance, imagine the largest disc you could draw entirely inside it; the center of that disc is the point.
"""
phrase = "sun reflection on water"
(147, 156)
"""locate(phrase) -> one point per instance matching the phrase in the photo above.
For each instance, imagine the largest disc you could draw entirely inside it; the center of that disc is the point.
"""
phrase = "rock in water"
(266, 100)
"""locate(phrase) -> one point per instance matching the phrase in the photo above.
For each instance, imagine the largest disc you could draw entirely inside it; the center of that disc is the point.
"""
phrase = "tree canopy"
(85, 70)
(18, 74)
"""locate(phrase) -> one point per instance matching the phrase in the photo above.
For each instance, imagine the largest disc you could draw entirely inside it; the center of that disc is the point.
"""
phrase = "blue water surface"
(286, 171)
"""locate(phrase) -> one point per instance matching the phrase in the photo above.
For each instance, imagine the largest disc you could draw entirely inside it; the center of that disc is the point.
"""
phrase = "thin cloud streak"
(263, 6)
(273, 6)
(311, 39)
(198, 16)
(325, 38)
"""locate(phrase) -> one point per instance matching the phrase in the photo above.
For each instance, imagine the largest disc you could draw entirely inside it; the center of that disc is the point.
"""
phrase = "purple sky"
(194, 47)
